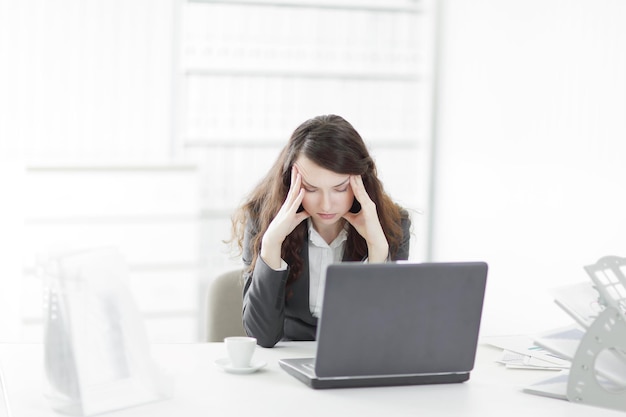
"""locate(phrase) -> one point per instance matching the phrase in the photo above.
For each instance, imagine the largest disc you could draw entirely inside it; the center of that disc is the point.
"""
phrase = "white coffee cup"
(240, 350)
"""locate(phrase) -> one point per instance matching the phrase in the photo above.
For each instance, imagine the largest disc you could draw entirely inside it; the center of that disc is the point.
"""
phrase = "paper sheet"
(524, 345)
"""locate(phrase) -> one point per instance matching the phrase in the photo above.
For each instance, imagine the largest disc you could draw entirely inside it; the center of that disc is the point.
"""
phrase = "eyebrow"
(306, 183)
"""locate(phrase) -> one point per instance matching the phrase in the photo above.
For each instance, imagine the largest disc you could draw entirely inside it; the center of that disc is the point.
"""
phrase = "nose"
(326, 203)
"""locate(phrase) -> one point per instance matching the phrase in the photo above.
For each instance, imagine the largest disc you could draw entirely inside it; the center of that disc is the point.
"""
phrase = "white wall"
(11, 184)
(11, 241)
(532, 140)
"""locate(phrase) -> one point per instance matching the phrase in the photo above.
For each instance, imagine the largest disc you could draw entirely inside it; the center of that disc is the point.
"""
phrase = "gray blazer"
(267, 314)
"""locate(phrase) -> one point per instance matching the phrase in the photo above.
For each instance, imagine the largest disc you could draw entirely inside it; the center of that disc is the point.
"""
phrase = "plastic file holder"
(604, 339)
(96, 351)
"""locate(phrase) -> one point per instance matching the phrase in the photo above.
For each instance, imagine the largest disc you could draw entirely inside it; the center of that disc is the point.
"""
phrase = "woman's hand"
(285, 221)
(366, 222)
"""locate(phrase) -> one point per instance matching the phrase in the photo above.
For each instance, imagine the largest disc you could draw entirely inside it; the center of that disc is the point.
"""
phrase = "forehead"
(315, 175)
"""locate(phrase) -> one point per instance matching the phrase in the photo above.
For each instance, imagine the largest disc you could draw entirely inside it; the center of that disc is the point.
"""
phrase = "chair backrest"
(224, 306)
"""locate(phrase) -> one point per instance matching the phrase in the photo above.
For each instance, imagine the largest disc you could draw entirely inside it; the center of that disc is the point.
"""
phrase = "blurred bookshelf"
(173, 110)
(252, 71)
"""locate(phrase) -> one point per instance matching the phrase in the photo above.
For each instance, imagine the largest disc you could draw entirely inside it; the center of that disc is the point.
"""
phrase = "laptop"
(395, 324)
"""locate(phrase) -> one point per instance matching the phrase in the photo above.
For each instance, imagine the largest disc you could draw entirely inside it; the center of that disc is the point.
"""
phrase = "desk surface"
(202, 389)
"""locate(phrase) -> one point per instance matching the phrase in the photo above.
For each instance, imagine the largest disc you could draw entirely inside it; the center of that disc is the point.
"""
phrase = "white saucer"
(224, 363)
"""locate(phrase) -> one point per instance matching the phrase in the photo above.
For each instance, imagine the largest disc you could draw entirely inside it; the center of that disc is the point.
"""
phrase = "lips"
(326, 216)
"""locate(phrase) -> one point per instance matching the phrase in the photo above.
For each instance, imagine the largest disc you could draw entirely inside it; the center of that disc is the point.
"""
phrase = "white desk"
(203, 389)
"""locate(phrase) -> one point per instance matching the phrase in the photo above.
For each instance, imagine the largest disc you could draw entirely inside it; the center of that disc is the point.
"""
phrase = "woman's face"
(327, 194)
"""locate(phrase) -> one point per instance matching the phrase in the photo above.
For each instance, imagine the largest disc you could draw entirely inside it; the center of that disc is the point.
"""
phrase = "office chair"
(224, 306)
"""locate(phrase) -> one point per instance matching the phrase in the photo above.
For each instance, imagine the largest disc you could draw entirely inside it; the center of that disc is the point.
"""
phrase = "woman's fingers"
(294, 187)
(295, 197)
(293, 206)
(358, 188)
(303, 214)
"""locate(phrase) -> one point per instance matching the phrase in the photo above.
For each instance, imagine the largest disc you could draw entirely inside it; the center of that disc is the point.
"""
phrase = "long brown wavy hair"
(332, 143)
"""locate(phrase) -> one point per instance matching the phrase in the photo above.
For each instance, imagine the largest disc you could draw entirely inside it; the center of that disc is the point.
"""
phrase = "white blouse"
(321, 254)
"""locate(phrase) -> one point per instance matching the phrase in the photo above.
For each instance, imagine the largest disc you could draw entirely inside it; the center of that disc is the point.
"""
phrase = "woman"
(321, 202)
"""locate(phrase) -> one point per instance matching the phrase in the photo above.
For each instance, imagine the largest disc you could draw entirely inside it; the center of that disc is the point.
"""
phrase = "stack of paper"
(580, 301)
(520, 352)
(583, 303)
(564, 342)
(590, 354)
(553, 350)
